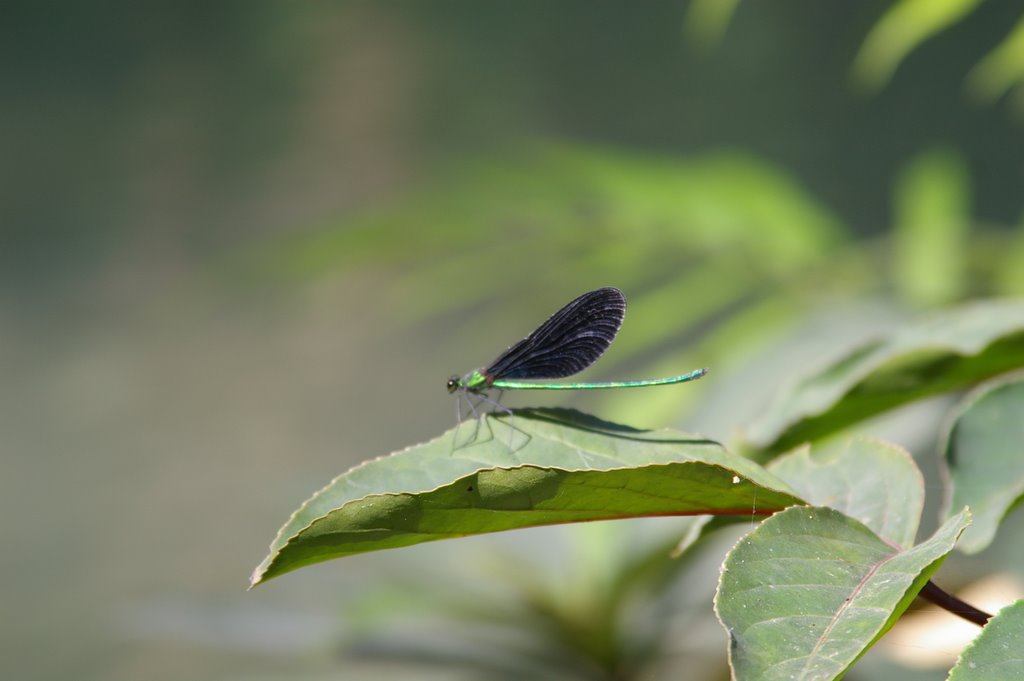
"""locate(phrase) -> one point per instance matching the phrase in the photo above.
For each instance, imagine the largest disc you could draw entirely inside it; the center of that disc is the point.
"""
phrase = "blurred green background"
(245, 244)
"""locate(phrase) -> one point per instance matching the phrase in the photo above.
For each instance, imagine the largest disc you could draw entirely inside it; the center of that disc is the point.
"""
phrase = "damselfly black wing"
(567, 343)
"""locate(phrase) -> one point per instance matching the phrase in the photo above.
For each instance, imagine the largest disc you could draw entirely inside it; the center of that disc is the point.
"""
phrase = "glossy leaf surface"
(539, 467)
(807, 592)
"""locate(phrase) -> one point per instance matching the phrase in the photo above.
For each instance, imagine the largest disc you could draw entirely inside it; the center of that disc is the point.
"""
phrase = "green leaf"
(874, 482)
(906, 25)
(539, 467)
(932, 200)
(807, 592)
(943, 352)
(982, 454)
(997, 654)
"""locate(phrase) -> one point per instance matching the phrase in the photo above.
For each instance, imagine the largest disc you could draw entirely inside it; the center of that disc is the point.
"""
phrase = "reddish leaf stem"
(946, 601)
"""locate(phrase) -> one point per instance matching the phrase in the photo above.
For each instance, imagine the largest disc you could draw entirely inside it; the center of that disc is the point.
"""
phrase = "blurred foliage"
(541, 199)
(906, 25)
(932, 226)
(1001, 71)
(710, 232)
(720, 255)
(953, 350)
(982, 458)
(707, 20)
(604, 617)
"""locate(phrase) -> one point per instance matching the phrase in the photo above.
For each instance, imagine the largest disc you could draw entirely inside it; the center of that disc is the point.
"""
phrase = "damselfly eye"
(453, 384)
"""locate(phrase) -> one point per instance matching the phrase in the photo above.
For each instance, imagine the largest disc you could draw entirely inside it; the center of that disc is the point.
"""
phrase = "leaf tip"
(256, 578)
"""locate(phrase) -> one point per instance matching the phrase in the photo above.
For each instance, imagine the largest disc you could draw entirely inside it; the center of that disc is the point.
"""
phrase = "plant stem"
(949, 602)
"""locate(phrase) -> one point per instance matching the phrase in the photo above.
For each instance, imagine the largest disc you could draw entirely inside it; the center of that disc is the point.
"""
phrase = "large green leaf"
(946, 351)
(984, 458)
(997, 654)
(810, 589)
(538, 467)
(874, 482)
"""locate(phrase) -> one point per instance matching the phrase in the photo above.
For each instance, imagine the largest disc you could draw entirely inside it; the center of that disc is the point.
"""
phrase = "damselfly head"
(454, 383)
